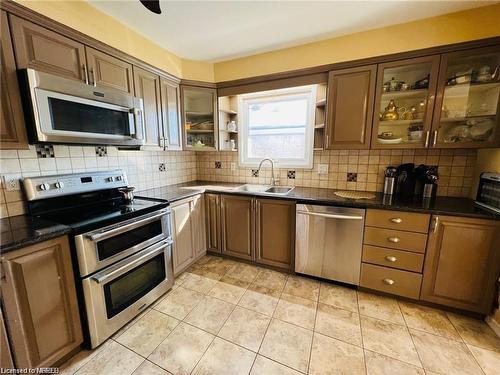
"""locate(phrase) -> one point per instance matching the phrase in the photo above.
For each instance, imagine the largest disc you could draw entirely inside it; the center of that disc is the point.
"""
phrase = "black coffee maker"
(416, 181)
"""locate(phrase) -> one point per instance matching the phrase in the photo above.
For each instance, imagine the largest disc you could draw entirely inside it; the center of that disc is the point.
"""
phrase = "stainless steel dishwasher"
(329, 241)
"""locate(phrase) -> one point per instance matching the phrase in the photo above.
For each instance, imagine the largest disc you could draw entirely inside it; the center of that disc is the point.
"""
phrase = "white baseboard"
(494, 325)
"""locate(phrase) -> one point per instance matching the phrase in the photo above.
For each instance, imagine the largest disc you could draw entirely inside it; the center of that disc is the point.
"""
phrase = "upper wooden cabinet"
(199, 116)
(404, 103)
(467, 110)
(170, 106)
(462, 263)
(275, 232)
(237, 222)
(39, 300)
(12, 129)
(45, 50)
(350, 108)
(108, 71)
(147, 87)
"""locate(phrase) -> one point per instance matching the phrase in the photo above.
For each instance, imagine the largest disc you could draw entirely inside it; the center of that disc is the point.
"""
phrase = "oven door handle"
(124, 228)
(129, 263)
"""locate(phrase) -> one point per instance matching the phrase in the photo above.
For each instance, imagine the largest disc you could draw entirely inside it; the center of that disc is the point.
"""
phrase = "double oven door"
(124, 268)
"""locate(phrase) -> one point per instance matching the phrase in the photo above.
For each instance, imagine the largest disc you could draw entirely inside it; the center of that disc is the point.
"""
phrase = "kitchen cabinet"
(199, 118)
(404, 103)
(237, 223)
(171, 130)
(40, 303)
(188, 223)
(6, 360)
(39, 48)
(467, 101)
(147, 87)
(462, 263)
(108, 71)
(212, 211)
(350, 108)
(275, 232)
(12, 128)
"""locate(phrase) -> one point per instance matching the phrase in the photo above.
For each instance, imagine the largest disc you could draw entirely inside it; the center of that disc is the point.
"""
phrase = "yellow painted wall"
(450, 28)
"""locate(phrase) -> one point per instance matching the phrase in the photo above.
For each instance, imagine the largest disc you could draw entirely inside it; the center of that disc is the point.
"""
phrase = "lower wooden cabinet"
(40, 304)
(462, 263)
(237, 224)
(188, 223)
(6, 360)
(212, 212)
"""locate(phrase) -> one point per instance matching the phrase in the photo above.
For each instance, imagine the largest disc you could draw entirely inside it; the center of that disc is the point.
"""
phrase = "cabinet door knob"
(390, 258)
(393, 239)
(395, 220)
(388, 281)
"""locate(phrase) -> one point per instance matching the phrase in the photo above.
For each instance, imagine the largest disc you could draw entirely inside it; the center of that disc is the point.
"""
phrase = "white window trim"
(243, 103)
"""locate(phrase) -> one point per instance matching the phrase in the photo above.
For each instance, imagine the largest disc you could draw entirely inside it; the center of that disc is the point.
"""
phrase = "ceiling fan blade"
(152, 5)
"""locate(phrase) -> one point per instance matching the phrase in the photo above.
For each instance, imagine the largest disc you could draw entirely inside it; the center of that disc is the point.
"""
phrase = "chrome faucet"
(274, 180)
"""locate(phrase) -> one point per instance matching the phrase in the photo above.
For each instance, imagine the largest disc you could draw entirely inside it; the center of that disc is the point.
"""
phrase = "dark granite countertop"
(439, 205)
(24, 230)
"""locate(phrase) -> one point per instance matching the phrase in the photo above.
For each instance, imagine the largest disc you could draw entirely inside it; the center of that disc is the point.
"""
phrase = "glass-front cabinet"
(404, 103)
(199, 109)
(468, 97)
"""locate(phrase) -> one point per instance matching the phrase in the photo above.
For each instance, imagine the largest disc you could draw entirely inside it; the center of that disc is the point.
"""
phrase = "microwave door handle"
(136, 112)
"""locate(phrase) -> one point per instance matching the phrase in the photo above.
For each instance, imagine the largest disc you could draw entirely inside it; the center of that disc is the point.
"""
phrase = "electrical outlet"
(322, 168)
(233, 166)
(11, 182)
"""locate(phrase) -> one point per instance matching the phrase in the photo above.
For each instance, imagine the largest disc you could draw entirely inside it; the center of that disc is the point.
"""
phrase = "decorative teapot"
(391, 112)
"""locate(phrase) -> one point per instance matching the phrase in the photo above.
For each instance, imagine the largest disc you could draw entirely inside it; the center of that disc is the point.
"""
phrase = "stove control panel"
(54, 186)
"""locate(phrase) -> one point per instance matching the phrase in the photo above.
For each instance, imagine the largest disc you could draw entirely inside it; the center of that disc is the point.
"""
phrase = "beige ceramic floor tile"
(380, 307)
(296, 310)
(487, 359)
(330, 356)
(271, 279)
(338, 296)
(475, 332)
(287, 344)
(245, 328)
(210, 314)
(260, 299)
(378, 364)
(389, 339)
(244, 272)
(203, 271)
(338, 323)
(182, 349)
(133, 321)
(79, 360)
(148, 332)
(198, 283)
(427, 319)
(148, 368)
(114, 360)
(179, 302)
(302, 287)
(444, 356)
(225, 358)
(265, 366)
(229, 289)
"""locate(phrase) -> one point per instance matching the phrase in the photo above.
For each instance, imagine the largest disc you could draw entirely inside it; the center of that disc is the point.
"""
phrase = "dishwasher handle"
(331, 216)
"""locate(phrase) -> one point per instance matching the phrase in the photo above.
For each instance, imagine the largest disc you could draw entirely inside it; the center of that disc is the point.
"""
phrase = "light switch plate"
(233, 166)
(12, 182)
(322, 168)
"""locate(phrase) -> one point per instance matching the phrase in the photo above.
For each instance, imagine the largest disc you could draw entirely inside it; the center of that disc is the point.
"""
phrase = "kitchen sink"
(264, 189)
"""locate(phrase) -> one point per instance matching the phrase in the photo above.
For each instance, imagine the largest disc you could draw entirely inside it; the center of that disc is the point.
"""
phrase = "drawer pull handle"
(388, 281)
(391, 258)
(394, 239)
(395, 220)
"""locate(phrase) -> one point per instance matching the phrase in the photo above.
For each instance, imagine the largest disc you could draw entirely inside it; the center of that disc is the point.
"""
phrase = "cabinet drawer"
(389, 280)
(395, 239)
(400, 220)
(403, 260)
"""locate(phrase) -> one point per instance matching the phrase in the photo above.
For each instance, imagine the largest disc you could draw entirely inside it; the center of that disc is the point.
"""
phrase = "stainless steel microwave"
(61, 110)
(488, 192)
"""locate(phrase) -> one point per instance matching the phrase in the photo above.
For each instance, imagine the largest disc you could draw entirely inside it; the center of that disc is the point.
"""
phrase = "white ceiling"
(221, 30)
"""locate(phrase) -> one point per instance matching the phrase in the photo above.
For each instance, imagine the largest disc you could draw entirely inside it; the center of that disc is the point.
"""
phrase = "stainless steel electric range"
(122, 251)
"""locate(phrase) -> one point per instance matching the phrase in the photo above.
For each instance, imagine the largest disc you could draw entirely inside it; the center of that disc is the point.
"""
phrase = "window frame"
(245, 100)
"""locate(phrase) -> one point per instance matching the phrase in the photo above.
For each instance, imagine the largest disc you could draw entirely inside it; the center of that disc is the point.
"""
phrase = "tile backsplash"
(340, 169)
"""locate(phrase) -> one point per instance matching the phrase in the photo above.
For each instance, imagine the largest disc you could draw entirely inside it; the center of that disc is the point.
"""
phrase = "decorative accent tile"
(218, 165)
(255, 173)
(352, 177)
(290, 175)
(101, 151)
(44, 151)
(162, 167)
